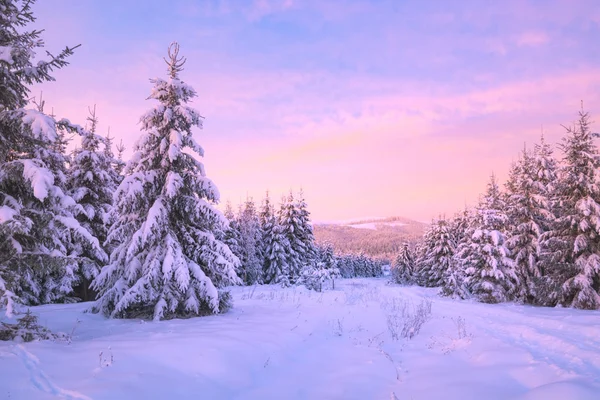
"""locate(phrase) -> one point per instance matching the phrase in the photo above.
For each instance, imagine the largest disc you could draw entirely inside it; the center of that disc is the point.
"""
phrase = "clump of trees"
(537, 241)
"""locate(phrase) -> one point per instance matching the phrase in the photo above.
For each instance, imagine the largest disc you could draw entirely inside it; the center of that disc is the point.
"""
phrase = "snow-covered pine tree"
(291, 229)
(305, 231)
(323, 269)
(571, 247)
(437, 254)
(232, 236)
(119, 163)
(274, 245)
(403, 268)
(491, 276)
(527, 211)
(454, 279)
(168, 262)
(327, 256)
(18, 71)
(91, 182)
(115, 164)
(460, 224)
(36, 215)
(346, 266)
(360, 265)
(250, 236)
(266, 218)
(545, 169)
(329, 261)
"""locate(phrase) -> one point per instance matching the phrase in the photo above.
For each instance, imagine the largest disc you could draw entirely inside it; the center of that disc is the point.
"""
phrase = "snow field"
(293, 343)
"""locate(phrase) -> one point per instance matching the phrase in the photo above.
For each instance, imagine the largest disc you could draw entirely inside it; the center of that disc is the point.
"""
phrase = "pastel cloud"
(532, 38)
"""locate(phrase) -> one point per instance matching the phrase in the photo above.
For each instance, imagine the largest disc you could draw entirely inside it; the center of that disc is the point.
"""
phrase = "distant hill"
(377, 237)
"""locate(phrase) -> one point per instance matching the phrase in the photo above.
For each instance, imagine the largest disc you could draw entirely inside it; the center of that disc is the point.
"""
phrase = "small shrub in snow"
(316, 277)
(27, 329)
(404, 321)
(362, 293)
(461, 327)
(225, 301)
(412, 325)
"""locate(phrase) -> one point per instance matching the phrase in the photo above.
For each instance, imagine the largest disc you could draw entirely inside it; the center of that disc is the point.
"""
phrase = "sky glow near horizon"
(388, 108)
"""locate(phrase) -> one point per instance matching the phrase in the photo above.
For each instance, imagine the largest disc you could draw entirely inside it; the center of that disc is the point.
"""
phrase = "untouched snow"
(370, 225)
(295, 344)
(373, 225)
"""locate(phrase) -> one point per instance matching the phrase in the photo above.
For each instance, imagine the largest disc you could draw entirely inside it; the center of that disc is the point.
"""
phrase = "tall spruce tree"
(168, 262)
(525, 201)
(114, 165)
(250, 237)
(274, 245)
(454, 278)
(571, 248)
(37, 225)
(305, 233)
(323, 269)
(92, 182)
(403, 268)
(437, 254)
(485, 258)
(232, 236)
(292, 231)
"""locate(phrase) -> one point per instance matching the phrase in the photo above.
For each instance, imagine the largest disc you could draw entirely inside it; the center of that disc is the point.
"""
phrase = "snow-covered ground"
(373, 225)
(295, 344)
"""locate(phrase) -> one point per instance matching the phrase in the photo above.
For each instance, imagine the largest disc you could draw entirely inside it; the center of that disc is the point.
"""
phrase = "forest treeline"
(535, 240)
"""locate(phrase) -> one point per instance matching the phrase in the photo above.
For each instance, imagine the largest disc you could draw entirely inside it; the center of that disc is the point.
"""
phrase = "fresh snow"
(6, 214)
(5, 54)
(41, 178)
(371, 226)
(297, 344)
(374, 225)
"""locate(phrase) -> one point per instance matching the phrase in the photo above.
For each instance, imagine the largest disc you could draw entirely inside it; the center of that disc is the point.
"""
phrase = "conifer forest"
(125, 274)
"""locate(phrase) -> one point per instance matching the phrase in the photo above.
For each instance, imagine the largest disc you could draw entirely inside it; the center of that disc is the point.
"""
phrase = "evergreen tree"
(460, 224)
(250, 236)
(403, 269)
(346, 266)
(36, 215)
(292, 230)
(305, 232)
(485, 258)
(437, 254)
(329, 262)
(168, 262)
(18, 71)
(454, 278)
(233, 236)
(274, 245)
(571, 247)
(527, 206)
(114, 165)
(324, 269)
(545, 169)
(119, 163)
(91, 183)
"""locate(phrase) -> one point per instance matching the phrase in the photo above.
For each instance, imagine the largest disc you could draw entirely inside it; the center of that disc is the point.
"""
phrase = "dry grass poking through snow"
(405, 319)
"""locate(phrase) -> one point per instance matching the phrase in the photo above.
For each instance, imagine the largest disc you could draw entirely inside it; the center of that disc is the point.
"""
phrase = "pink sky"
(373, 108)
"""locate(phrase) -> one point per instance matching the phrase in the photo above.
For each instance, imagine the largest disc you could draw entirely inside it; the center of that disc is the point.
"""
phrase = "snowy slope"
(294, 344)
(376, 237)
